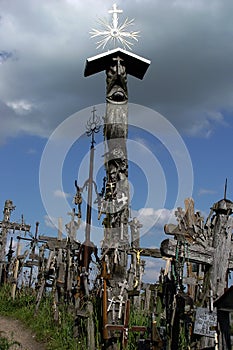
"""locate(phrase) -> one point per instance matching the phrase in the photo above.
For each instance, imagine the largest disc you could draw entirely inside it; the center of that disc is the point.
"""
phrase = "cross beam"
(195, 253)
(151, 252)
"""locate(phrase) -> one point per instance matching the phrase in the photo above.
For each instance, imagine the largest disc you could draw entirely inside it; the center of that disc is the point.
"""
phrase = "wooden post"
(105, 276)
(16, 269)
(41, 290)
(90, 327)
(6, 225)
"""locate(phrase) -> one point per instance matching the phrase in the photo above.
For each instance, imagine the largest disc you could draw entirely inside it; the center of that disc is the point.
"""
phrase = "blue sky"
(43, 48)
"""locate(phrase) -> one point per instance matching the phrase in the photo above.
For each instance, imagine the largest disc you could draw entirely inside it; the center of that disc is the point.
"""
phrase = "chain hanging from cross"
(93, 126)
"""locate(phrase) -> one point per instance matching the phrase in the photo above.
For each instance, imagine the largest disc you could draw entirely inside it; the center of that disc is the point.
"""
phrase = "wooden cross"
(105, 276)
(125, 329)
(6, 226)
(123, 285)
(208, 244)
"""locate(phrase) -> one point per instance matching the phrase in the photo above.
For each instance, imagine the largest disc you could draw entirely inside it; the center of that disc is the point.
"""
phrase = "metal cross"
(114, 13)
(93, 126)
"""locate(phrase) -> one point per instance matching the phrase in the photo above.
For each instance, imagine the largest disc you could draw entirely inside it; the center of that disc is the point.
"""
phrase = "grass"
(59, 335)
(56, 335)
(6, 344)
(137, 318)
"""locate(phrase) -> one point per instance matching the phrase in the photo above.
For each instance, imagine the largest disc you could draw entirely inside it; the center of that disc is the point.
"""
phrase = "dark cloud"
(189, 43)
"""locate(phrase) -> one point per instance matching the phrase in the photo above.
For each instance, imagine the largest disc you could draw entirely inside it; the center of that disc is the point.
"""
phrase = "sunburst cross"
(115, 33)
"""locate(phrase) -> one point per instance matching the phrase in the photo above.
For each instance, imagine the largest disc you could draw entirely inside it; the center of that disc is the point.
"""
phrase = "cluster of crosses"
(184, 307)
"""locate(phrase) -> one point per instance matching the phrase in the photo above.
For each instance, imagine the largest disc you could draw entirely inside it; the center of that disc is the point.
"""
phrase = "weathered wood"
(6, 226)
(209, 244)
(90, 327)
(30, 263)
(195, 253)
(105, 276)
(43, 282)
(16, 269)
(55, 243)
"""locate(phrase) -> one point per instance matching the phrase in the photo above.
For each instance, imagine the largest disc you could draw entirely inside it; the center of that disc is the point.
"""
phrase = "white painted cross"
(123, 199)
(123, 285)
(114, 13)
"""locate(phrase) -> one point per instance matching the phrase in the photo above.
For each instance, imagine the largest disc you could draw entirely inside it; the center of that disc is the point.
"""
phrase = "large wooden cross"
(6, 225)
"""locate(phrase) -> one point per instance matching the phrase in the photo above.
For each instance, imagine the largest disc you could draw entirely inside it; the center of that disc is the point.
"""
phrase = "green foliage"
(55, 335)
(6, 344)
(182, 338)
(60, 335)
(137, 318)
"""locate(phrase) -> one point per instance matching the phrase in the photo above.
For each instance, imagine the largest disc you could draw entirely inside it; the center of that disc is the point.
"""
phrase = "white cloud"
(61, 194)
(160, 217)
(49, 222)
(152, 269)
(205, 191)
(21, 106)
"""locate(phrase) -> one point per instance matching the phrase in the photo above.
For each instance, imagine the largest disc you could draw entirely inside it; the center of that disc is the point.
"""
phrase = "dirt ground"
(15, 331)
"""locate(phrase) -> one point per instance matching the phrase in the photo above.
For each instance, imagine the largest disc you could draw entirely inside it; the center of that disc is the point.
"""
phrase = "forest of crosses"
(188, 307)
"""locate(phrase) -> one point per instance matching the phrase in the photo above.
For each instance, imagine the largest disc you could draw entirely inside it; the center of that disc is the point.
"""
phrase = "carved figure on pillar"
(116, 164)
(117, 63)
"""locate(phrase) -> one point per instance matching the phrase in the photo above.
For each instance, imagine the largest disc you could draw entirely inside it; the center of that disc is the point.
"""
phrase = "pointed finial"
(225, 190)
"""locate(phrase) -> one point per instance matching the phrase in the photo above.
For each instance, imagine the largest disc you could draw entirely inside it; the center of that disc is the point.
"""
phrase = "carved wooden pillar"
(116, 164)
(115, 196)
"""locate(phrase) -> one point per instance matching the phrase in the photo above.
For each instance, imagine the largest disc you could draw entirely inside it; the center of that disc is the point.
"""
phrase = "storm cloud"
(44, 45)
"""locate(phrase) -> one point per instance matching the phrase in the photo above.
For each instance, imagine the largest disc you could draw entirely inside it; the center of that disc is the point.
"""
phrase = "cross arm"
(15, 226)
(152, 252)
(195, 252)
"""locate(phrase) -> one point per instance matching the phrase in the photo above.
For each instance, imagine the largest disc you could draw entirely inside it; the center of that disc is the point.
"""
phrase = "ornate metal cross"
(93, 126)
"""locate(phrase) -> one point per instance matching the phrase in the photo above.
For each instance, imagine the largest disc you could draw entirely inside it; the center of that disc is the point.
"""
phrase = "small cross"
(118, 64)
(112, 301)
(114, 13)
(122, 199)
(123, 285)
